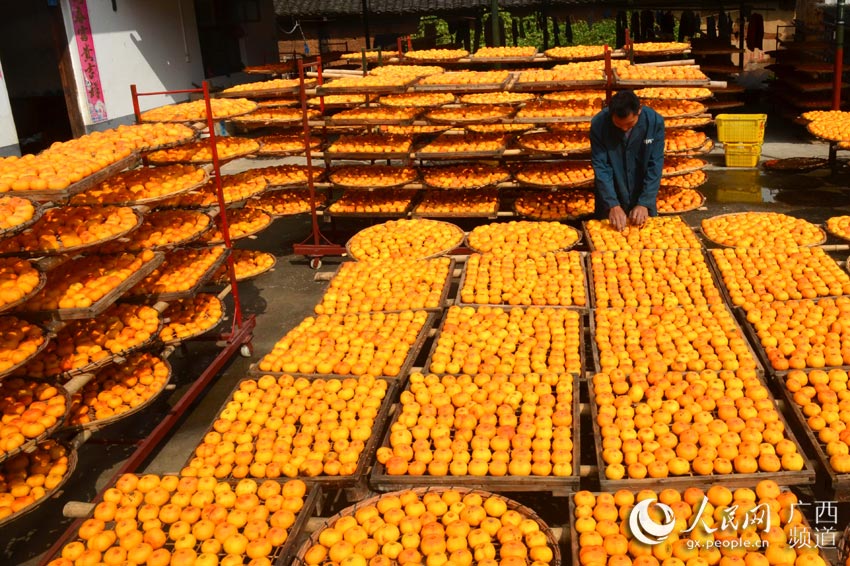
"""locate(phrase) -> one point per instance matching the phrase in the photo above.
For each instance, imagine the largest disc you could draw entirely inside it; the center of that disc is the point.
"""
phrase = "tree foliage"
(599, 33)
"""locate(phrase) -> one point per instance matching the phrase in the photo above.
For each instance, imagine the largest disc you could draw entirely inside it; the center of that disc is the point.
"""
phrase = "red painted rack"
(239, 336)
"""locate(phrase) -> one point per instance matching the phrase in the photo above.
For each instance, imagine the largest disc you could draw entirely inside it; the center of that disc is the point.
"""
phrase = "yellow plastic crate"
(742, 154)
(741, 128)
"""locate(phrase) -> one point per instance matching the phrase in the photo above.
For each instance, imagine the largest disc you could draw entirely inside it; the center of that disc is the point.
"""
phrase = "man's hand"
(638, 215)
(617, 218)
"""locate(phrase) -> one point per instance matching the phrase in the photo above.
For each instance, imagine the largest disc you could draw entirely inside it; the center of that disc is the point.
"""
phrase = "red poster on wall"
(88, 60)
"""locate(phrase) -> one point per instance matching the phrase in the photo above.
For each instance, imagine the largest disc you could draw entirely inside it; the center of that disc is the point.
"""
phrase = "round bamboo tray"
(551, 54)
(569, 247)
(179, 243)
(230, 202)
(99, 424)
(703, 149)
(382, 102)
(279, 103)
(79, 200)
(69, 250)
(42, 280)
(315, 145)
(580, 149)
(224, 279)
(697, 123)
(659, 52)
(504, 178)
(200, 332)
(32, 442)
(266, 93)
(227, 159)
(518, 172)
(36, 216)
(441, 253)
(169, 145)
(305, 210)
(680, 172)
(484, 128)
(406, 59)
(339, 185)
(845, 237)
(366, 188)
(541, 218)
(151, 200)
(823, 137)
(47, 336)
(93, 366)
(702, 231)
(671, 183)
(511, 505)
(578, 185)
(692, 114)
(703, 97)
(844, 547)
(506, 111)
(234, 237)
(526, 97)
(795, 164)
(72, 466)
(697, 207)
(200, 119)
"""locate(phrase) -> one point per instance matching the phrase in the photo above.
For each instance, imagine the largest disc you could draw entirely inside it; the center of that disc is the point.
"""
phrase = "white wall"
(143, 42)
(8, 134)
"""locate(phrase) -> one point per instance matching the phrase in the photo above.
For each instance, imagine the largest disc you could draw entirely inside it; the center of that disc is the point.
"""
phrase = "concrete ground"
(281, 299)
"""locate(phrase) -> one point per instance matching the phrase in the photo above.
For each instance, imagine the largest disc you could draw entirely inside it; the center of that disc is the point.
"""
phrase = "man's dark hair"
(624, 104)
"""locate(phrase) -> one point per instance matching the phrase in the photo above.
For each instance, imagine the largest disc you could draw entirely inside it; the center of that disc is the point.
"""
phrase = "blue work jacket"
(628, 172)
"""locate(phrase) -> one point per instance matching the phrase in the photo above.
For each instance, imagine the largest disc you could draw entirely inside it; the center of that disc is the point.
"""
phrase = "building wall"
(33, 51)
(258, 45)
(152, 43)
(344, 35)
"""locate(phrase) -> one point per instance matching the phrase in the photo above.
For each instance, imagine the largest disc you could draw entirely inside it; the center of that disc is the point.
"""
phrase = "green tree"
(599, 33)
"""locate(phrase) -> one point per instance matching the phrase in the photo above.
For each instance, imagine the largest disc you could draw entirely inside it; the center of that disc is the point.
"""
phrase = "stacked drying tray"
(90, 219)
(182, 230)
(790, 296)
(522, 136)
(663, 334)
(67, 294)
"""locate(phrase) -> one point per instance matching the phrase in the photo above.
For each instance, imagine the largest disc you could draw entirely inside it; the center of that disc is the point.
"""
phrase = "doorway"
(33, 44)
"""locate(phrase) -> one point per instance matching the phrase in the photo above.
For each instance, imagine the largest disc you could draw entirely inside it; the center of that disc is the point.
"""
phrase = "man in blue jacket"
(627, 144)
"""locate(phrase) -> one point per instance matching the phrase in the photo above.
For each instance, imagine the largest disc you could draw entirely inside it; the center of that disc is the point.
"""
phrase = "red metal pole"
(409, 44)
(319, 83)
(134, 94)
(839, 55)
(399, 48)
(183, 91)
(219, 193)
(309, 155)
